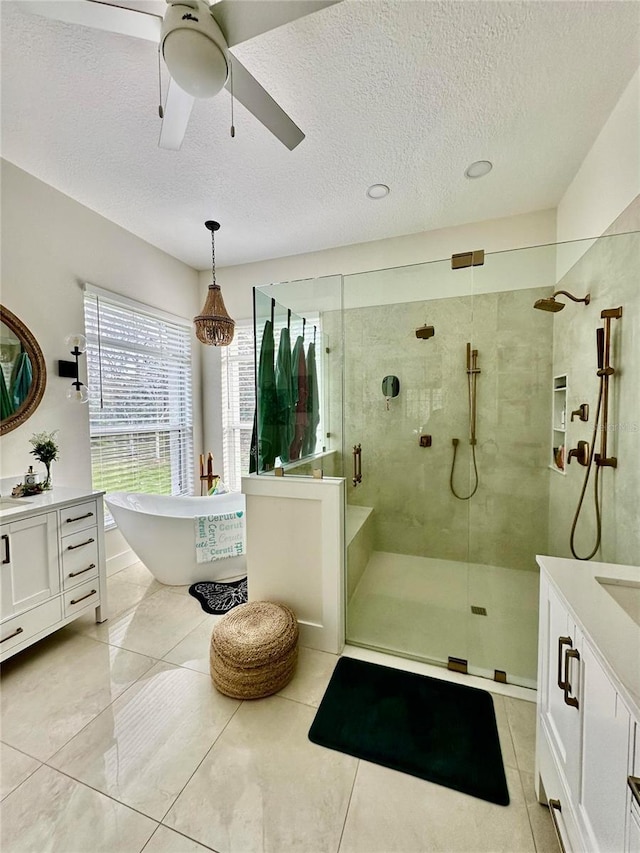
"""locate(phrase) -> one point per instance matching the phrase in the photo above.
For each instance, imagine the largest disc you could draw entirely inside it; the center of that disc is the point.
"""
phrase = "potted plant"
(45, 450)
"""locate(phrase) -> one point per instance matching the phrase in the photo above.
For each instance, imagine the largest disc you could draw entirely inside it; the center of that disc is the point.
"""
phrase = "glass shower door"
(405, 339)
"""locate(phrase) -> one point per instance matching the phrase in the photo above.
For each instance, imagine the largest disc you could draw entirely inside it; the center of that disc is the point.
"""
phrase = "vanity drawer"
(20, 628)
(80, 566)
(79, 551)
(84, 595)
(77, 517)
(79, 557)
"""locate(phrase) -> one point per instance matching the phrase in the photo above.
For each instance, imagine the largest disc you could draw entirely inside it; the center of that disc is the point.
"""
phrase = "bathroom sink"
(625, 593)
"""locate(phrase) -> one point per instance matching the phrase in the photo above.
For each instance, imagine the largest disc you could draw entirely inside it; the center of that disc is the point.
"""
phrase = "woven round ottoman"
(254, 649)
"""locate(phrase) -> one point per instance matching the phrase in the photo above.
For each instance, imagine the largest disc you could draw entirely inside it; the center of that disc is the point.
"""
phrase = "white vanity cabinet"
(29, 563)
(588, 708)
(52, 565)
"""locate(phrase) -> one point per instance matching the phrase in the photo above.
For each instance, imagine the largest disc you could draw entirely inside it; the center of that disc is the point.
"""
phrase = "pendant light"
(214, 326)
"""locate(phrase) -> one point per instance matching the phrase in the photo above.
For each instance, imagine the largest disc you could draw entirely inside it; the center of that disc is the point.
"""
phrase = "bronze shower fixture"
(550, 304)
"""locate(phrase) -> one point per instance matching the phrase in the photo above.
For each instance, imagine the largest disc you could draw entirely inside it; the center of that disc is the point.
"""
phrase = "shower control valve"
(581, 412)
(581, 453)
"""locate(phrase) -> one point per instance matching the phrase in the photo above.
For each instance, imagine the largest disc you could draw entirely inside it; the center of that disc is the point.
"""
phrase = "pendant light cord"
(213, 257)
(160, 107)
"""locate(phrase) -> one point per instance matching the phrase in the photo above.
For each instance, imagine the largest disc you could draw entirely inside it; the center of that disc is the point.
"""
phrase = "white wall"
(51, 245)
(608, 179)
(494, 235)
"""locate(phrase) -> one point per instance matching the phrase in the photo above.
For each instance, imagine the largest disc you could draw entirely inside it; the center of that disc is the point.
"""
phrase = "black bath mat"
(442, 732)
(217, 597)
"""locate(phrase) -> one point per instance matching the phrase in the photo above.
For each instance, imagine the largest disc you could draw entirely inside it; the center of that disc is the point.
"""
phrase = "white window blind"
(238, 403)
(140, 408)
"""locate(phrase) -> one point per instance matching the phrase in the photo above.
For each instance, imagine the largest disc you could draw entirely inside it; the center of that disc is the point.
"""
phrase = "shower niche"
(559, 424)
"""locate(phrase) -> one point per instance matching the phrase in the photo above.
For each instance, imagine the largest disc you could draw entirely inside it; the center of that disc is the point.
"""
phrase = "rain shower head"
(550, 304)
(425, 332)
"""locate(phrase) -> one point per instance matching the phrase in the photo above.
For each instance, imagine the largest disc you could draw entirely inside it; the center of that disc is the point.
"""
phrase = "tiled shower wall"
(610, 272)
(506, 522)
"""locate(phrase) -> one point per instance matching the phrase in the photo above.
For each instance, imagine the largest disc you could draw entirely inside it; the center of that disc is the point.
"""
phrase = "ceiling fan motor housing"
(194, 48)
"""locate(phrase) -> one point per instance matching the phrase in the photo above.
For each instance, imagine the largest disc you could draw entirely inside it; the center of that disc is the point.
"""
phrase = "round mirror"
(23, 372)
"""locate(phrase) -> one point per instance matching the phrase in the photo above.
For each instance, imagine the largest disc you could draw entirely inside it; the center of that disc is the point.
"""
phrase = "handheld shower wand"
(472, 377)
(602, 460)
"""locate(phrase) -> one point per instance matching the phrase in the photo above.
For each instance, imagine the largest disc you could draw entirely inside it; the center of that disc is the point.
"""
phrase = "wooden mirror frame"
(39, 381)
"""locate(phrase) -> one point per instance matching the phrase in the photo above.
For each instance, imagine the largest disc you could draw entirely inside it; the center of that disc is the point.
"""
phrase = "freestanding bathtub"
(160, 529)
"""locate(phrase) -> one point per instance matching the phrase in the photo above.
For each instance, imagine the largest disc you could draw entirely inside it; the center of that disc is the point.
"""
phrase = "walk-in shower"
(455, 582)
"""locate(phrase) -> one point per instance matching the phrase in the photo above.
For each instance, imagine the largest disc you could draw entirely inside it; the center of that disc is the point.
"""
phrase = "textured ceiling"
(404, 93)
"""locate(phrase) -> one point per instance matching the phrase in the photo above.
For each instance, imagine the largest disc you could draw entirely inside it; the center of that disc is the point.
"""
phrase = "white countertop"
(51, 499)
(605, 622)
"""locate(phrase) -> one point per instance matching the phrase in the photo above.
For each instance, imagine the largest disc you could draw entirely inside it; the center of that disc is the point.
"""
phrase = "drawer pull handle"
(7, 549)
(73, 547)
(634, 784)
(15, 634)
(88, 595)
(569, 700)
(562, 641)
(554, 806)
(82, 571)
(80, 517)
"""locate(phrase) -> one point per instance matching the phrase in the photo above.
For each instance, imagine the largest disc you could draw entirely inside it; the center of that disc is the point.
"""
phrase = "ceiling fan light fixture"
(196, 63)
(194, 48)
(214, 327)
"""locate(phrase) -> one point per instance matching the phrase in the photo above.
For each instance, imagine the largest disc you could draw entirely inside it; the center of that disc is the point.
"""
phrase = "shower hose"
(472, 431)
(596, 491)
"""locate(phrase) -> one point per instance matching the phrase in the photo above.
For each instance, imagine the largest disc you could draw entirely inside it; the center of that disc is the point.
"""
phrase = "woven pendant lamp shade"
(214, 326)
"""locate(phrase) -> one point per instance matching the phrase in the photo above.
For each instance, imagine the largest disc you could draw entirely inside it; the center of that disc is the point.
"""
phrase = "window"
(238, 403)
(140, 412)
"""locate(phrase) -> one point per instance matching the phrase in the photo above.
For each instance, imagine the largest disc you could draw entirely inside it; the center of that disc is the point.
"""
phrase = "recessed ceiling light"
(478, 169)
(378, 191)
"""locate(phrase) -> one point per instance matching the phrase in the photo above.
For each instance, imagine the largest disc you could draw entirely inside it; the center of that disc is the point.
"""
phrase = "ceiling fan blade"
(240, 20)
(258, 101)
(177, 110)
(100, 16)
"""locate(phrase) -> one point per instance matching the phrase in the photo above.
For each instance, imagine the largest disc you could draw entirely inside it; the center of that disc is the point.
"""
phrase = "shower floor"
(420, 607)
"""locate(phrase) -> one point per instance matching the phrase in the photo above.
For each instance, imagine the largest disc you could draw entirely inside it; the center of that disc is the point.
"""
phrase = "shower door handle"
(357, 464)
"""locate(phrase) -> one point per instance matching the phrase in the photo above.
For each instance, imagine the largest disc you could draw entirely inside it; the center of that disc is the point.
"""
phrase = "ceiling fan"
(195, 38)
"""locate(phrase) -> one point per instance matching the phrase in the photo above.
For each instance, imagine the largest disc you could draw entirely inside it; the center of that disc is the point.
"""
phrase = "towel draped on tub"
(219, 536)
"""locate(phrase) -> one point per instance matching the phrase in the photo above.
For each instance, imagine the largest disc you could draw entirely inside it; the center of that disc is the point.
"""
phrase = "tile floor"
(113, 739)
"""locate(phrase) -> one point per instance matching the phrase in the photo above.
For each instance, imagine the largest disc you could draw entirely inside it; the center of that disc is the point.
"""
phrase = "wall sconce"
(78, 392)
